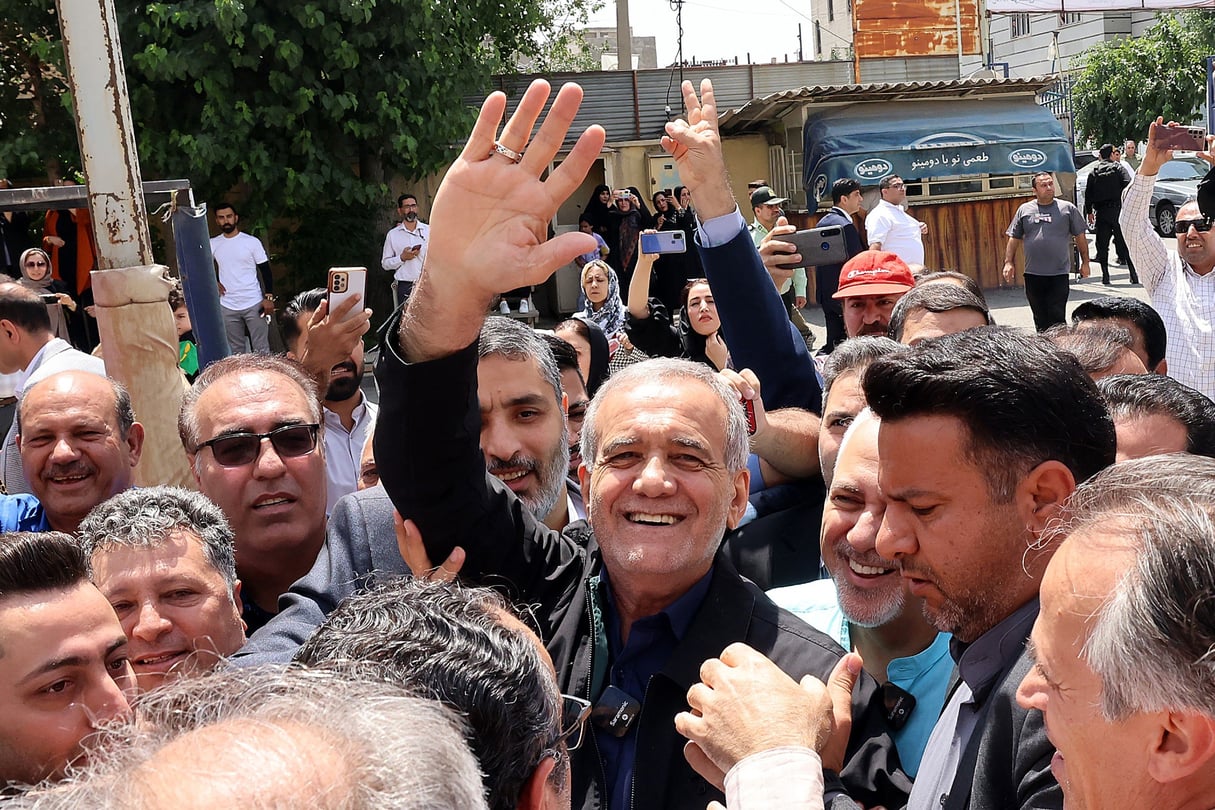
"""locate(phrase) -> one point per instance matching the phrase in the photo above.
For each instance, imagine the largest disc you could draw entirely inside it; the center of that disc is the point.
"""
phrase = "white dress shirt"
(1184, 299)
(395, 243)
(896, 231)
(344, 449)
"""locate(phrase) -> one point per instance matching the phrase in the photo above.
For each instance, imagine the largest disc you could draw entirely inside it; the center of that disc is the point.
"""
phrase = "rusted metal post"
(107, 138)
(139, 342)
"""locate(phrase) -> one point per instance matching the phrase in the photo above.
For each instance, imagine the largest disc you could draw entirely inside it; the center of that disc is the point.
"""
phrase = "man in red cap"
(871, 283)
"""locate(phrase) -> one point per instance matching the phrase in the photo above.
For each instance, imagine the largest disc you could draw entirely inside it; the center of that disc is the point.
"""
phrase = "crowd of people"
(939, 563)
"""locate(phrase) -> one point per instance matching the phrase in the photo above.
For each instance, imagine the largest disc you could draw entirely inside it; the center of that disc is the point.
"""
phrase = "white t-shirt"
(897, 231)
(237, 257)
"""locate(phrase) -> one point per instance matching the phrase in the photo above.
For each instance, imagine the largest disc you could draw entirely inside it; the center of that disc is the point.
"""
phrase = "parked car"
(1176, 183)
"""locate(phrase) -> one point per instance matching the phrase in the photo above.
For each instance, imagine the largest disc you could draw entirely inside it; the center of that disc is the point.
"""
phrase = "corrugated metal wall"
(916, 69)
(631, 105)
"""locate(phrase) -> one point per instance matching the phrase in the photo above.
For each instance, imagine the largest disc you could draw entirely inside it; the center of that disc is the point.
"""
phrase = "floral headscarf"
(610, 315)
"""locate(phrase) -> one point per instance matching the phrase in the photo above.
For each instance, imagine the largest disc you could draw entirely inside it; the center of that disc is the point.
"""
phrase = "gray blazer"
(1006, 765)
(360, 546)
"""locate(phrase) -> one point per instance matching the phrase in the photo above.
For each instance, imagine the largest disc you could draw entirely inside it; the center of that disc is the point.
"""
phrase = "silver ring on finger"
(506, 152)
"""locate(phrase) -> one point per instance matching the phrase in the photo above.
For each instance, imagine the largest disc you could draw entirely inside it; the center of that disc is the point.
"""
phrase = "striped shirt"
(1184, 299)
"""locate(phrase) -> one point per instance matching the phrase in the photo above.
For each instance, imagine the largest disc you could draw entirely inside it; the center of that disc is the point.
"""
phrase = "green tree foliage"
(1123, 84)
(37, 136)
(302, 110)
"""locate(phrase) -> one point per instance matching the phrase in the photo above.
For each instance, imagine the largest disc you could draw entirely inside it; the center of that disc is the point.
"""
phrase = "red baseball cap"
(874, 272)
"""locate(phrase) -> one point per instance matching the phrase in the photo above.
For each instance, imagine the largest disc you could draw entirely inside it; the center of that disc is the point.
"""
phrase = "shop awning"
(923, 139)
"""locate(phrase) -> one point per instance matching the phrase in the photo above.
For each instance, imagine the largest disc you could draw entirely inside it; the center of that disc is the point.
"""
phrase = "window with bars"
(1019, 24)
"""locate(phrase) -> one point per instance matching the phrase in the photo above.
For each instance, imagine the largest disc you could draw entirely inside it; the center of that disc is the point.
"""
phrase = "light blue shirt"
(925, 675)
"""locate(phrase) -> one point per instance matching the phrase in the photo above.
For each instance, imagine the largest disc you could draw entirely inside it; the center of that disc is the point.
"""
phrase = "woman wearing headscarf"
(598, 212)
(36, 275)
(694, 335)
(627, 223)
(604, 306)
(590, 345)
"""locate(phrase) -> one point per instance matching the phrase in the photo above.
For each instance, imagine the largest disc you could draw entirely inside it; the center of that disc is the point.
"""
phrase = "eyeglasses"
(239, 449)
(897, 185)
(1201, 225)
(574, 713)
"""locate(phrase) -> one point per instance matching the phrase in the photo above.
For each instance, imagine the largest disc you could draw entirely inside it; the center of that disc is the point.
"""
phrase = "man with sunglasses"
(250, 426)
(891, 228)
(1178, 283)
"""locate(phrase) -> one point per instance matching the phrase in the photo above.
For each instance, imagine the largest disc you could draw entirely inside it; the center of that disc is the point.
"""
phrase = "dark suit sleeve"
(427, 449)
(756, 326)
(343, 566)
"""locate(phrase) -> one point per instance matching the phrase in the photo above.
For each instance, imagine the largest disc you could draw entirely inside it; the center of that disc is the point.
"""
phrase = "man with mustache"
(30, 350)
(347, 413)
(79, 445)
(405, 248)
(246, 285)
(523, 442)
(871, 283)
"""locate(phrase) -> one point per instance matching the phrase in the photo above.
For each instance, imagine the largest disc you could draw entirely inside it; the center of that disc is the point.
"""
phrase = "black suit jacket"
(1006, 764)
(827, 277)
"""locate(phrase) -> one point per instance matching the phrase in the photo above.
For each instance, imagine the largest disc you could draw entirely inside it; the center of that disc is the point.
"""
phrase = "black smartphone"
(817, 246)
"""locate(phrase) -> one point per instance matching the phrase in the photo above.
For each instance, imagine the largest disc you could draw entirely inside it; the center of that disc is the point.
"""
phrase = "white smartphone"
(346, 283)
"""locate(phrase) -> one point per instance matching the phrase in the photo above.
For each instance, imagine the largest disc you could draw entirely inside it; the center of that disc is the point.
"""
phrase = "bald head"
(79, 443)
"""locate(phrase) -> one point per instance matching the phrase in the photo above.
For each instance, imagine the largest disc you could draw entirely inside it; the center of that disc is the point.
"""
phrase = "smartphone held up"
(346, 283)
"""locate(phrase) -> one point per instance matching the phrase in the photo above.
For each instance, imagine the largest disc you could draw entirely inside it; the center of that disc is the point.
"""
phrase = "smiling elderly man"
(79, 444)
(632, 604)
(1122, 647)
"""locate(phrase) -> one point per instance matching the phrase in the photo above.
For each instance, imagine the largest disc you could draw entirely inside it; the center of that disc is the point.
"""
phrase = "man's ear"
(190, 459)
(738, 501)
(533, 794)
(135, 442)
(1041, 494)
(1185, 747)
(584, 486)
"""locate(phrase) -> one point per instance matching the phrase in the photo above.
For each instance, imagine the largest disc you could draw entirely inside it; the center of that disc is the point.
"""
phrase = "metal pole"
(198, 282)
(107, 138)
(131, 293)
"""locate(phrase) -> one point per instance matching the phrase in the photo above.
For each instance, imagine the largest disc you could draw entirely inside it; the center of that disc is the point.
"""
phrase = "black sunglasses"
(239, 449)
(1201, 225)
(574, 713)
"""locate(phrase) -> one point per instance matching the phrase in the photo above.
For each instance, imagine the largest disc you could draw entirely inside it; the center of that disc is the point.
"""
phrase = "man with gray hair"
(1123, 672)
(164, 558)
(522, 436)
(79, 445)
(251, 427)
(632, 603)
(274, 737)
